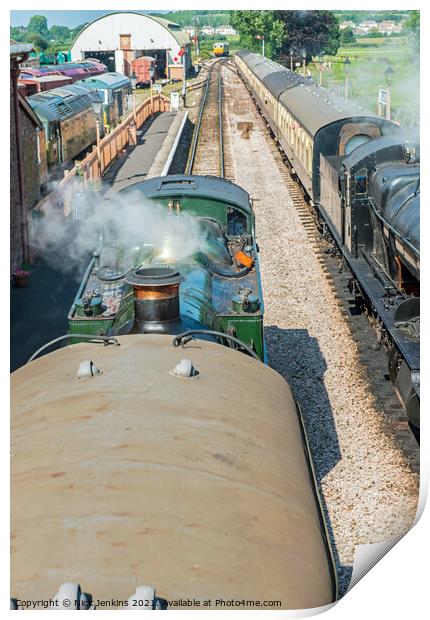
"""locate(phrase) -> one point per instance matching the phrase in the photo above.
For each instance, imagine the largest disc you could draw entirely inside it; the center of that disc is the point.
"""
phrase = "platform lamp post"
(346, 65)
(304, 61)
(389, 72)
(133, 80)
(291, 60)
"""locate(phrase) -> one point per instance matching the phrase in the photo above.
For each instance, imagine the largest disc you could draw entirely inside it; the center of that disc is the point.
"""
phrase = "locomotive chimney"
(156, 299)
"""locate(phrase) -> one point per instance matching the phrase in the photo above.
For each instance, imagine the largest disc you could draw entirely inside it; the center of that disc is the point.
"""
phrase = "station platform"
(155, 141)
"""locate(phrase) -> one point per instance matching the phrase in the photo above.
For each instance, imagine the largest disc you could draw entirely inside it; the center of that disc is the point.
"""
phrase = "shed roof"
(17, 49)
(179, 36)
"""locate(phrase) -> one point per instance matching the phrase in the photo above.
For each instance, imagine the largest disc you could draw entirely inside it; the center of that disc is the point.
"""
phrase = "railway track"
(207, 151)
(372, 357)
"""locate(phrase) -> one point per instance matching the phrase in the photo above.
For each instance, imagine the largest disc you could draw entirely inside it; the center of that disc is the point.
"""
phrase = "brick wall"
(15, 215)
(31, 174)
(30, 161)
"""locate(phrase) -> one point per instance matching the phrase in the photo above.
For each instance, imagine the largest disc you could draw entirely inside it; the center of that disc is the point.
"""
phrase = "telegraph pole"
(196, 20)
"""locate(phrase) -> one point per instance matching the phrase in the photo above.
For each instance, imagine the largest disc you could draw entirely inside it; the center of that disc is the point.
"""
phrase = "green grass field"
(369, 59)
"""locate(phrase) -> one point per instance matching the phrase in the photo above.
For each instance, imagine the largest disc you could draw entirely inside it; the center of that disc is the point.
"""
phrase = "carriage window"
(361, 181)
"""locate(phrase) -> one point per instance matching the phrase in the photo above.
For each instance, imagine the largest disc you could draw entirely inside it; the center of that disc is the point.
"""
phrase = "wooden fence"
(89, 171)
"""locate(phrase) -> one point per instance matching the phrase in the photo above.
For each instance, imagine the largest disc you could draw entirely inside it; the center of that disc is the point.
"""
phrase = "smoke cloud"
(126, 228)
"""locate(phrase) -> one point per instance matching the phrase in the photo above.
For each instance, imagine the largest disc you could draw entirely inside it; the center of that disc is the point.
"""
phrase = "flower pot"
(21, 281)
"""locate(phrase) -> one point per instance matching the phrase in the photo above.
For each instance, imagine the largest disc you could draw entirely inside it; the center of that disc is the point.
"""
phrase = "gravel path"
(369, 492)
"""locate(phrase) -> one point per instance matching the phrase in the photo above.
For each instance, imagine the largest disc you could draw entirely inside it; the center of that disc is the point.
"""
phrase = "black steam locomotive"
(362, 176)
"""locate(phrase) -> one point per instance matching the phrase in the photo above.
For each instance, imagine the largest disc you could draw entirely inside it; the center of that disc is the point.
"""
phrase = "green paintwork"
(206, 298)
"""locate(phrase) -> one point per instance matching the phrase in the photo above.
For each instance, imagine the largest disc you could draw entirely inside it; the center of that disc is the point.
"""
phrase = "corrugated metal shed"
(146, 33)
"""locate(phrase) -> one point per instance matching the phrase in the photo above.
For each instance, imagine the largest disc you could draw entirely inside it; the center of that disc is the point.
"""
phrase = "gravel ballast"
(369, 492)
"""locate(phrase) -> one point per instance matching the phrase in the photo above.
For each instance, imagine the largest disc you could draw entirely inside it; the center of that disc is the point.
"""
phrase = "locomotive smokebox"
(156, 299)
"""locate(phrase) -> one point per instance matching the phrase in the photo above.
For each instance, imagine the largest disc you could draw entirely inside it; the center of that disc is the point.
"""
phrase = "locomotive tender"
(362, 176)
(146, 473)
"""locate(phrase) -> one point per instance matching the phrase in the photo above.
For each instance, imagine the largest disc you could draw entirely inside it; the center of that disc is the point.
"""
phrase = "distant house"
(209, 30)
(225, 30)
(27, 161)
(367, 25)
(347, 24)
(387, 27)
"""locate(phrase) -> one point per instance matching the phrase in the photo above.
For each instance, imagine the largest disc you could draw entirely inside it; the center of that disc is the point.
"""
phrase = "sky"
(63, 18)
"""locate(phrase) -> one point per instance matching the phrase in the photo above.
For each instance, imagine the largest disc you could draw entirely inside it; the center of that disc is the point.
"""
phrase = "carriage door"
(348, 218)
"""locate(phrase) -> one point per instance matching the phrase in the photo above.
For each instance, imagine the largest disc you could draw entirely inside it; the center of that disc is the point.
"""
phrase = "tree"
(38, 24)
(252, 24)
(59, 33)
(412, 29)
(17, 34)
(317, 32)
(39, 43)
(75, 31)
(347, 36)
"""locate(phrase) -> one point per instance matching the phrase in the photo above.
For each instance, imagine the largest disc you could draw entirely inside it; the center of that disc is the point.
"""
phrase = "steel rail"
(197, 130)
(220, 122)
